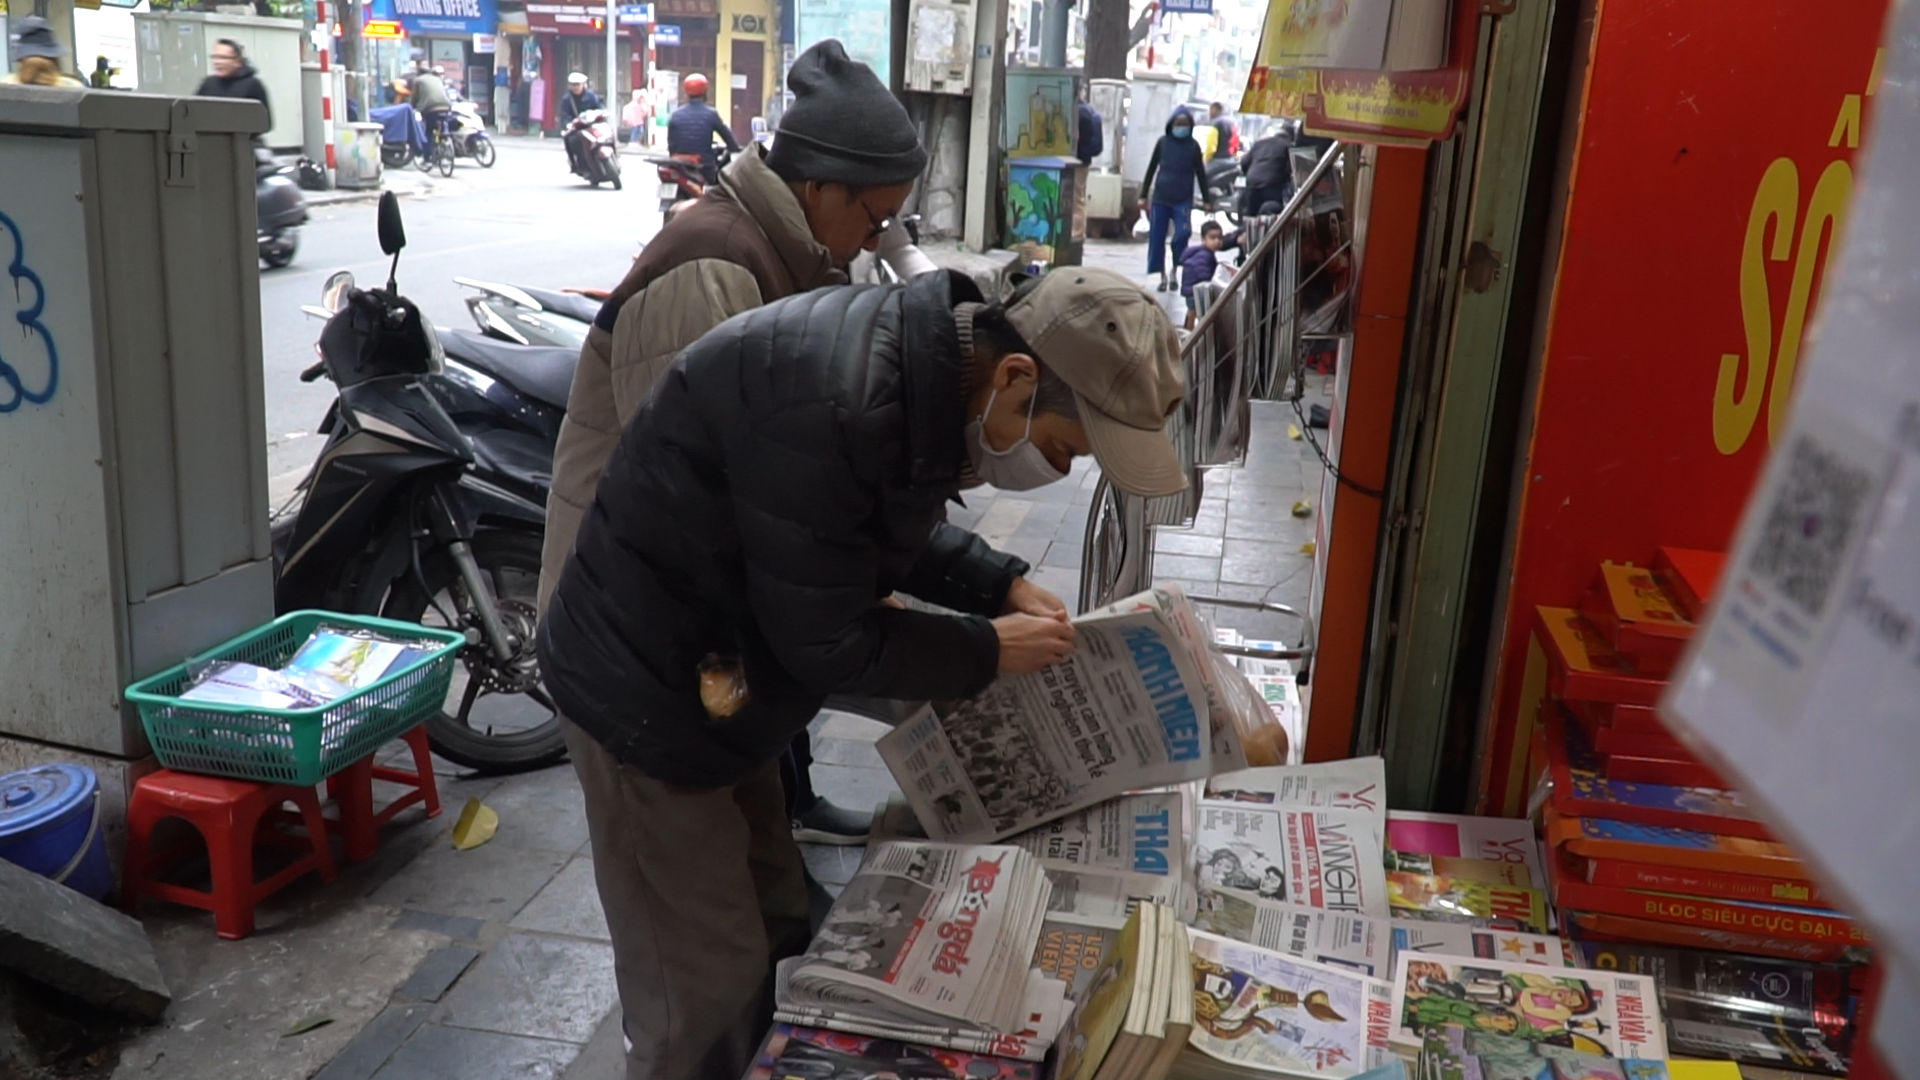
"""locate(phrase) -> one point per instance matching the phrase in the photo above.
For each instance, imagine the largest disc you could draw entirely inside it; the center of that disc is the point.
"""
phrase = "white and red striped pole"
(326, 83)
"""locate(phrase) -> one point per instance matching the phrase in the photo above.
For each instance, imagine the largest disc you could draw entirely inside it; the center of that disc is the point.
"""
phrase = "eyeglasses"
(876, 226)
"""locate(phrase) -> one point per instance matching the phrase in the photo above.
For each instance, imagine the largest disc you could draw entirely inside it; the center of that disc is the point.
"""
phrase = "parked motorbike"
(402, 516)
(1223, 183)
(599, 158)
(470, 137)
(525, 315)
(281, 209)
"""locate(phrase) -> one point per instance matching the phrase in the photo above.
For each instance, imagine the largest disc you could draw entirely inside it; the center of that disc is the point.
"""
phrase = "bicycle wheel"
(443, 157)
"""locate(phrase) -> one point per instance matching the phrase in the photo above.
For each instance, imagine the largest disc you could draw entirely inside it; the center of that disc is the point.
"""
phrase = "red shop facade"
(570, 37)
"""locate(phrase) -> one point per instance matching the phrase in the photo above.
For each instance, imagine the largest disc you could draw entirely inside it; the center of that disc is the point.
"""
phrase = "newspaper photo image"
(869, 928)
(1256, 1008)
(1125, 711)
(1326, 859)
(1325, 937)
(928, 934)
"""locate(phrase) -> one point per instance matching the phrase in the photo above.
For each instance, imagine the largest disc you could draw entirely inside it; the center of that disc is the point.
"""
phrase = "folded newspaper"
(1127, 711)
(928, 935)
(1046, 1006)
(1257, 1011)
(1343, 939)
(1103, 861)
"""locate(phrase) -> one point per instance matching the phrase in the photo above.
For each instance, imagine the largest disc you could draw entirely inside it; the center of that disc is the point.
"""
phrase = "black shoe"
(825, 823)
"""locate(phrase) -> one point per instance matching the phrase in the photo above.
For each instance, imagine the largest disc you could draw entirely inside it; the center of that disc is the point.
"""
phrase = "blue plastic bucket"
(50, 824)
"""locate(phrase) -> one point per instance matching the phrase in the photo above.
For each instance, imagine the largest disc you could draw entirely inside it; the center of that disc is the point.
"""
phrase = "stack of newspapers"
(1116, 869)
(932, 943)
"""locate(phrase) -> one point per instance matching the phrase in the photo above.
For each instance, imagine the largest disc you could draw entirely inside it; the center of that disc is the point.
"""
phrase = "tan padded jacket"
(744, 244)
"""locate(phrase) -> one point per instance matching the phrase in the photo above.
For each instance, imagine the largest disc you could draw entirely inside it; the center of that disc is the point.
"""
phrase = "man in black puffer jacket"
(789, 474)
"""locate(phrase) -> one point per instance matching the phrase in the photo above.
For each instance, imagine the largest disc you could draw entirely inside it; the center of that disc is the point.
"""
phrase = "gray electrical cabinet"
(175, 53)
(133, 487)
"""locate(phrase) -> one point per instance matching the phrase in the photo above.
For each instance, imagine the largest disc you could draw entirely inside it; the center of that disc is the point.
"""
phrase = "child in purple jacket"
(1199, 262)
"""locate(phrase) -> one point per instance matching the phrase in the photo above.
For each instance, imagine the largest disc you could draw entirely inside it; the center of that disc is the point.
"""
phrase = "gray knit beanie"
(844, 125)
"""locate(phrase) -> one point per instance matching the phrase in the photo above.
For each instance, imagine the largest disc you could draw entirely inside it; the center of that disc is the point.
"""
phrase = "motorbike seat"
(543, 374)
(565, 304)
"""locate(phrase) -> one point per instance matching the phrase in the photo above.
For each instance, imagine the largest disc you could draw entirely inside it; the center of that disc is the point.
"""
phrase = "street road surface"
(525, 221)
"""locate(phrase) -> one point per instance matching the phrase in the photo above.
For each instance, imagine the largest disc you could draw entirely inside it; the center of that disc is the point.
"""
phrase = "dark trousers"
(704, 891)
(796, 775)
(1178, 216)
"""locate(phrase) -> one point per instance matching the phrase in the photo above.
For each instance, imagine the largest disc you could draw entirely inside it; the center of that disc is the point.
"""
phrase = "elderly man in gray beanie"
(844, 160)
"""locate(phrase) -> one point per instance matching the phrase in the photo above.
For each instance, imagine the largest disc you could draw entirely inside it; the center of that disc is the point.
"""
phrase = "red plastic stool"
(352, 790)
(228, 814)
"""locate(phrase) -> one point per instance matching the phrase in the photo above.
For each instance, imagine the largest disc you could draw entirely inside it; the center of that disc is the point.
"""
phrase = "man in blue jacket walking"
(1177, 168)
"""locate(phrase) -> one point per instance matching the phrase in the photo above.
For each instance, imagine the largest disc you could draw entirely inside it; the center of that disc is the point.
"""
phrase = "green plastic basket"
(293, 746)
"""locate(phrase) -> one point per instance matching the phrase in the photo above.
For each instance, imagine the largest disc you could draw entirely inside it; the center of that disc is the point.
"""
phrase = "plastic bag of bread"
(723, 686)
(1262, 736)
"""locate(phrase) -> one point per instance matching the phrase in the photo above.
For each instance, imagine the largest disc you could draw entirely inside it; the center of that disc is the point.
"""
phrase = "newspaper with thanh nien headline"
(1125, 712)
(928, 934)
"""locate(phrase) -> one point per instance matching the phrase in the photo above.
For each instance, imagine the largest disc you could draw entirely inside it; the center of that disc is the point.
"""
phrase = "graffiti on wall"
(1040, 114)
(1033, 208)
(29, 361)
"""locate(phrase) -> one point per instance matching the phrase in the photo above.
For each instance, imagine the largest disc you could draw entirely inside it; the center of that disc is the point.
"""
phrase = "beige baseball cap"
(1116, 348)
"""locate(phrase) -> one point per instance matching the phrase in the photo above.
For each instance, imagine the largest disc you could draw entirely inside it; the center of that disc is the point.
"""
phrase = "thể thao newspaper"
(1126, 711)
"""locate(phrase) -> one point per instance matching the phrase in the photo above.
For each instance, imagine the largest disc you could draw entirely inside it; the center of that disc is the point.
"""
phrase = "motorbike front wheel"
(497, 717)
(278, 248)
(481, 148)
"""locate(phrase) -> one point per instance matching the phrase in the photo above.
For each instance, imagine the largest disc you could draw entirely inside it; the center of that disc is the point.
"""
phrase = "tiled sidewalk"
(436, 964)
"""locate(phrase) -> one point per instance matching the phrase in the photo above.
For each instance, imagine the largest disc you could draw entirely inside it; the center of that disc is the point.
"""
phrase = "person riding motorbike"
(578, 99)
(37, 56)
(430, 98)
(691, 128)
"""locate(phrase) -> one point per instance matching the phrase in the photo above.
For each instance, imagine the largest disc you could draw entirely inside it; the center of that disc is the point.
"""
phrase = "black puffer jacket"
(243, 83)
(790, 470)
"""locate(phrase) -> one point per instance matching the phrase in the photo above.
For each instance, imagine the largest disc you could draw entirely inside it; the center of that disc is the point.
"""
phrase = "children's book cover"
(1257, 1008)
(1597, 1012)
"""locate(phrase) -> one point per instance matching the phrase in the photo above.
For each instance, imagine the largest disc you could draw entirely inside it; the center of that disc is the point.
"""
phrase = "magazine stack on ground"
(933, 943)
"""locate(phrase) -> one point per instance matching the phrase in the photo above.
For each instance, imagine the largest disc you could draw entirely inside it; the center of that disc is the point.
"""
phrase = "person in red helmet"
(691, 128)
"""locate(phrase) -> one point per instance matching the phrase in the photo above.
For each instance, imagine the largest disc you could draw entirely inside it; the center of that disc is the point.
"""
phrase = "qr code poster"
(1788, 581)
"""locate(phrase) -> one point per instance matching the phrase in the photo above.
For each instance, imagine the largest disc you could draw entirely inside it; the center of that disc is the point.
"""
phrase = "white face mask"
(1020, 467)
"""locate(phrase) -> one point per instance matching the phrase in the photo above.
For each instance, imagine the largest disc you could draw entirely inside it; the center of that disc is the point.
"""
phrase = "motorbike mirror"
(333, 295)
(393, 232)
